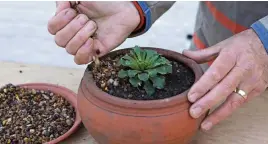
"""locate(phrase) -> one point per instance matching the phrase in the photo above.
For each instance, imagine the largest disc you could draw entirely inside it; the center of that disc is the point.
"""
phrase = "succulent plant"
(145, 68)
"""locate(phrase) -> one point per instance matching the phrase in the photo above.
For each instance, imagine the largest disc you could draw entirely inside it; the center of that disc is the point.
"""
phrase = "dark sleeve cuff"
(145, 14)
(262, 33)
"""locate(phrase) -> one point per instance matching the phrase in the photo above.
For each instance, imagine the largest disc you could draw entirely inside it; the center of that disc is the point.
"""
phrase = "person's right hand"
(110, 23)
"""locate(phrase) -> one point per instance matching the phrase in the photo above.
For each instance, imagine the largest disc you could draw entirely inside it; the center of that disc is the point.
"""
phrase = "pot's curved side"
(115, 120)
(69, 95)
(108, 127)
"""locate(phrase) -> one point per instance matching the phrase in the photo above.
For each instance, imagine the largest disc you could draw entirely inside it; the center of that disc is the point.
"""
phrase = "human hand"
(109, 22)
(241, 62)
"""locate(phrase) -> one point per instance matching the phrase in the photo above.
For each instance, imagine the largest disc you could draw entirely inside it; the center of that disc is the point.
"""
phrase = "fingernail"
(196, 112)
(192, 97)
(70, 13)
(206, 125)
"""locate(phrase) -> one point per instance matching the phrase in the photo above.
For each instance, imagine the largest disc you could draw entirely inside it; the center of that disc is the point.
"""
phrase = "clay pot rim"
(143, 104)
(64, 92)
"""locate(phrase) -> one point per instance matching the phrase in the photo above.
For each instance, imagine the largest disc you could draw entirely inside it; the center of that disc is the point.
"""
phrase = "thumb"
(61, 5)
(204, 55)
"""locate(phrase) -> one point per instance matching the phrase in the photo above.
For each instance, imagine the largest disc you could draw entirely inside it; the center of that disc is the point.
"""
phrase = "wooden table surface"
(248, 125)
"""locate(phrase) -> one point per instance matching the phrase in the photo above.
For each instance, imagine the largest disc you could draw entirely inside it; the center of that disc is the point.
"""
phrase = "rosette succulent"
(145, 68)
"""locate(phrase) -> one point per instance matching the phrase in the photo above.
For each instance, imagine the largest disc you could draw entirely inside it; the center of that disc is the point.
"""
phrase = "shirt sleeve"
(261, 29)
(149, 12)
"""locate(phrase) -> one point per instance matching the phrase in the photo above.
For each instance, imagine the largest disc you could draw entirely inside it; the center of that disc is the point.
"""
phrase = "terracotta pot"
(68, 95)
(113, 120)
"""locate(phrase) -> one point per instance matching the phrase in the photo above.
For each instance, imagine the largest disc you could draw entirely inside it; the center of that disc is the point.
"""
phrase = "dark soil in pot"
(106, 78)
(33, 116)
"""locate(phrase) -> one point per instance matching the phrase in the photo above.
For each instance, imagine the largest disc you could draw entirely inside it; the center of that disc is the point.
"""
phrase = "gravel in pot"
(33, 116)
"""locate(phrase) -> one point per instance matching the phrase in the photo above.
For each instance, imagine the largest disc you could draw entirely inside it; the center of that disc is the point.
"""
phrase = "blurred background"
(24, 36)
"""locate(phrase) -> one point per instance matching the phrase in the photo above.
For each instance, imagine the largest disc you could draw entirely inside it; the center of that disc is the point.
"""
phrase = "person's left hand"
(241, 62)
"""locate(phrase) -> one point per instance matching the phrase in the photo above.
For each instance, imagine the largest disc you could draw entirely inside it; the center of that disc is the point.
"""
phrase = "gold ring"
(241, 93)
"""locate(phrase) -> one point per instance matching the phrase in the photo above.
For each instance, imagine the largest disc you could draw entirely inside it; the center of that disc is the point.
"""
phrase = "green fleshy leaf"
(152, 60)
(135, 81)
(122, 62)
(144, 54)
(129, 63)
(150, 54)
(164, 69)
(132, 73)
(137, 51)
(152, 72)
(133, 55)
(143, 76)
(127, 57)
(148, 87)
(158, 81)
(160, 61)
(122, 73)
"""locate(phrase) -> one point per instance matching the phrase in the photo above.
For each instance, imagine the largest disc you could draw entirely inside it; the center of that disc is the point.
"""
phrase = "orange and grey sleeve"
(149, 12)
(261, 29)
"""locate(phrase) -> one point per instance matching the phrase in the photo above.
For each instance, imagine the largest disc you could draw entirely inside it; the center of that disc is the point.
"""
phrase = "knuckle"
(82, 19)
(234, 104)
(51, 27)
(80, 37)
(59, 40)
(215, 75)
(70, 12)
(227, 87)
(230, 57)
(70, 50)
(250, 65)
(77, 61)
(258, 90)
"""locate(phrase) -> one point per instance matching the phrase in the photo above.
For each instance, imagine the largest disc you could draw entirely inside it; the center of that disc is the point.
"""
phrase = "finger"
(230, 105)
(204, 55)
(69, 31)
(61, 5)
(59, 21)
(81, 37)
(212, 76)
(83, 54)
(218, 93)
(260, 88)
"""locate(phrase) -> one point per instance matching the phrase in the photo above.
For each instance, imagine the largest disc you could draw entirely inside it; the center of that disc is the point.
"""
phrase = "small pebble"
(45, 96)
(68, 122)
(57, 110)
(115, 83)
(110, 81)
(103, 85)
(111, 92)
(33, 91)
(32, 130)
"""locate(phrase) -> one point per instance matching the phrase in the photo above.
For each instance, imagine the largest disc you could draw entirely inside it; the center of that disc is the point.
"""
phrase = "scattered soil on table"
(105, 76)
(33, 116)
